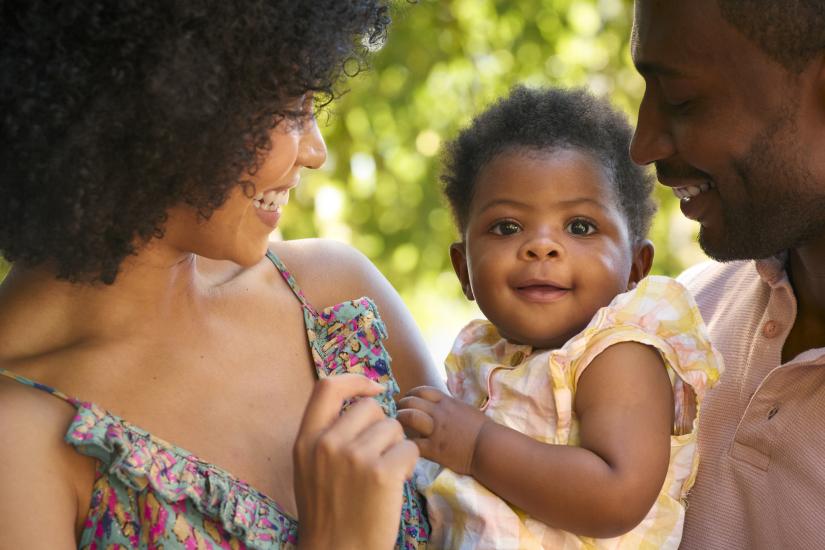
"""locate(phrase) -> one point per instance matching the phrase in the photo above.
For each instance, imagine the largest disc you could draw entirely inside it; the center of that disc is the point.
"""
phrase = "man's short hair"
(792, 32)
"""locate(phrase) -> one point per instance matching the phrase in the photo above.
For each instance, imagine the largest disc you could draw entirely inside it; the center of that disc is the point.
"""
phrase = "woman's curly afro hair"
(114, 111)
(546, 120)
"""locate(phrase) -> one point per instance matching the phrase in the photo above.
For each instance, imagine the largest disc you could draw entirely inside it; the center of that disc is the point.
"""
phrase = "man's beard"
(783, 206)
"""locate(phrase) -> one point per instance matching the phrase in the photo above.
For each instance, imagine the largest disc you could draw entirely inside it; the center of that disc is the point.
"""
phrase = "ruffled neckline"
(139, 460)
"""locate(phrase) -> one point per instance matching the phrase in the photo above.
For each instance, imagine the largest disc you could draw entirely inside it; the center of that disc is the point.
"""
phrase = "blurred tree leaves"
(445, 61)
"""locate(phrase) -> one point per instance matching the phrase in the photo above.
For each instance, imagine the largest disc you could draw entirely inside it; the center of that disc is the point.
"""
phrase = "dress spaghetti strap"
(37, 385)
(290, 280)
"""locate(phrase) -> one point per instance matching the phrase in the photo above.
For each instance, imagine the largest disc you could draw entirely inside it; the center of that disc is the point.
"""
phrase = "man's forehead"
(670, 36)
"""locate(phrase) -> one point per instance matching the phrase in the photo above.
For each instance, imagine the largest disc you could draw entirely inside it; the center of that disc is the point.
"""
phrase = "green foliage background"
(444, 61)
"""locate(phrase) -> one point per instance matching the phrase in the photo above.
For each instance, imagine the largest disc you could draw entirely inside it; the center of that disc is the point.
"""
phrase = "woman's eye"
(581, 227)
(302, 108)
(505, 228)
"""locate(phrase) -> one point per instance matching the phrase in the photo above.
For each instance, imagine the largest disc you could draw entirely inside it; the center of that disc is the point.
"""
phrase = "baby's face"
(546, 245)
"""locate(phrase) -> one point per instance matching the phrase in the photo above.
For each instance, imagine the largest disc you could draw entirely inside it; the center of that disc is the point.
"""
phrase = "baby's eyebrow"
(525, 205)
(584, 200)
(504, 202)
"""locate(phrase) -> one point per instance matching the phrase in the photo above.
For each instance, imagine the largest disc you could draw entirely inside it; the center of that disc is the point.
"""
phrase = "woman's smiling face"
(545, 245)
(239, 230)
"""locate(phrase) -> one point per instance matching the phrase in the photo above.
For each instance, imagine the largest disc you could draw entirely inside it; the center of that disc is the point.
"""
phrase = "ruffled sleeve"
(660, 313)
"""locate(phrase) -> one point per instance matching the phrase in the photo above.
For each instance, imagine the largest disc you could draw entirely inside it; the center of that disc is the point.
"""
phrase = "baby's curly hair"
(538, 120)
(114, 111)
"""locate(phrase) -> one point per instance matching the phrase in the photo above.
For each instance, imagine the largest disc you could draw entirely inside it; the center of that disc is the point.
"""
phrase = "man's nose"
(651, 140)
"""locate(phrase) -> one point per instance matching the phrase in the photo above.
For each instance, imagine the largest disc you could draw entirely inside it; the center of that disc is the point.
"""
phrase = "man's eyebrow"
(646, 68)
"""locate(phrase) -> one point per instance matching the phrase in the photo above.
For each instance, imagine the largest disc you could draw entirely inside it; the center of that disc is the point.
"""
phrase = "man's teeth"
(271, 200)
(689, 191)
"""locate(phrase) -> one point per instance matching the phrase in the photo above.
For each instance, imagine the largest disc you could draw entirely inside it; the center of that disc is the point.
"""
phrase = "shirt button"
(773, 411)
(770, 329)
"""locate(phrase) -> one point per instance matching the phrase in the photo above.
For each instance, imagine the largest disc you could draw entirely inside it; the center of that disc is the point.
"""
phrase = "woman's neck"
(40, 314)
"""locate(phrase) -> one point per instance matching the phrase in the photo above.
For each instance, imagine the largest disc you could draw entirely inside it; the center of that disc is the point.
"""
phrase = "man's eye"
(505, 228)
(581, 227)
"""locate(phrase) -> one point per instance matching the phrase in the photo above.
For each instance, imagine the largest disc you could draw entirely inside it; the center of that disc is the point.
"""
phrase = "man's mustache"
(665, 170)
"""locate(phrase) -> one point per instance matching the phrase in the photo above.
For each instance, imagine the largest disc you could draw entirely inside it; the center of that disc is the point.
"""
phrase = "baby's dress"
(151, 494)
(533, 393)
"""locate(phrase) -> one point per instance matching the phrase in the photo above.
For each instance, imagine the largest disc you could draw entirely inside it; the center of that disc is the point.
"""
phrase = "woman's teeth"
(689, 191)
(271, 200)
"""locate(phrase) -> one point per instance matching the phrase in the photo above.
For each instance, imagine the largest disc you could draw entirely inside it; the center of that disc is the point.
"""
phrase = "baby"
(572, 420)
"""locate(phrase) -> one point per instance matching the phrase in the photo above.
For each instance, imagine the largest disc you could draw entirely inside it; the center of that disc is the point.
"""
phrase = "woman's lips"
(269, 217)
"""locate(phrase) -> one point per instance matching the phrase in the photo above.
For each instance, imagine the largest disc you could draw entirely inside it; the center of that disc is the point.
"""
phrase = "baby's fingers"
(428, 393)
(416, 420)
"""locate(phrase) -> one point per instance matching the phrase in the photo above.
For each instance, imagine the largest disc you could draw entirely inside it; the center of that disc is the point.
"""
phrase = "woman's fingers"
(354, 420)
(329, 395)
(377, 438)
(401, 457)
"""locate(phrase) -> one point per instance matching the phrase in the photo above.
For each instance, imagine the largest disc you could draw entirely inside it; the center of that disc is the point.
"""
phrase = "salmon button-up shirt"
(761, 479)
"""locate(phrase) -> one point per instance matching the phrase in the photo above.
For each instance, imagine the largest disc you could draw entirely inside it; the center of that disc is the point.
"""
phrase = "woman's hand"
(350, 468)
(448, 428)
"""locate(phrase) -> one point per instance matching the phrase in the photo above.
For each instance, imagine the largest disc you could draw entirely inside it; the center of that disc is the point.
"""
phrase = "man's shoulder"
(725, 291)
(712, 274)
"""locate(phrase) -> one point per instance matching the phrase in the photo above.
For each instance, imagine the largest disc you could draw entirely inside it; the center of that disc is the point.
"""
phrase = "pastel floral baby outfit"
(533, 391)
(151, 494)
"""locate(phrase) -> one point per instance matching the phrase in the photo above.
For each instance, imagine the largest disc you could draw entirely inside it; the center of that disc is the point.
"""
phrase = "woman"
(148, 150)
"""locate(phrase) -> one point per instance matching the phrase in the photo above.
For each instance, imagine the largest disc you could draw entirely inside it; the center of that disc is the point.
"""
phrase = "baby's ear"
(458, 255)
(642, 262)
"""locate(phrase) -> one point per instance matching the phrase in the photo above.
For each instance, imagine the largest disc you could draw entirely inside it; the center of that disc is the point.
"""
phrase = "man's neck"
(806, 269)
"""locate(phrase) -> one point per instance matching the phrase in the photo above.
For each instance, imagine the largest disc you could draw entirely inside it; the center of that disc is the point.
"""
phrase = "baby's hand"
(446, 428)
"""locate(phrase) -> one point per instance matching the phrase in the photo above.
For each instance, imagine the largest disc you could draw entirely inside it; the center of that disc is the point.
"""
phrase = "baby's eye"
(581, 227)
(505, 228)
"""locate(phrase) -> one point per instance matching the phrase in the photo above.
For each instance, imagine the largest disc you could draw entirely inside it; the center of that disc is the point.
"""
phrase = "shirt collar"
(772, 270)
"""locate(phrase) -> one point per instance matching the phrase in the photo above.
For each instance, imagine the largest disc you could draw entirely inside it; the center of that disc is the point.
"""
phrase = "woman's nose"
(312, 150)
(651, 140)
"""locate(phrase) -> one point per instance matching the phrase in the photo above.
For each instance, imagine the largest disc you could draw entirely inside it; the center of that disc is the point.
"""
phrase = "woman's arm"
(604, 487)
(39, 473)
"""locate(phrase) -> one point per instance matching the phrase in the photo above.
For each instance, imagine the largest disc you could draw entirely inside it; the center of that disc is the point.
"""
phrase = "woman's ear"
(642, 262)
(458, 256)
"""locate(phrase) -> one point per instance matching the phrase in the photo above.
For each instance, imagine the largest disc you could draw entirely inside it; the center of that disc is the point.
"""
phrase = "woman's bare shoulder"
(328, 271)
(44, 480)
(27, 411)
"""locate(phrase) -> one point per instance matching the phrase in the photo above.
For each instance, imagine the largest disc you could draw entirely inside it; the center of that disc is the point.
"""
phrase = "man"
(733, 117)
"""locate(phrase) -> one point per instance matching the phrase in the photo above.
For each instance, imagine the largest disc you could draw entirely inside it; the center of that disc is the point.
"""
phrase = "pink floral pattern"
(151, 494)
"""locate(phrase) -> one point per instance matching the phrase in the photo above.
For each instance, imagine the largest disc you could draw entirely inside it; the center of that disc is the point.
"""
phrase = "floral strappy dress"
(151, 494)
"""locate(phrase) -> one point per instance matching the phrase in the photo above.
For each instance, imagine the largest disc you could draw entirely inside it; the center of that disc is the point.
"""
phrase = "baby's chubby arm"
(602, 488)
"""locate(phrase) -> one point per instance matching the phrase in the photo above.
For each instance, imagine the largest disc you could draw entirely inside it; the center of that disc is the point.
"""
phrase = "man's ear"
(642, 262)
(458, 256)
